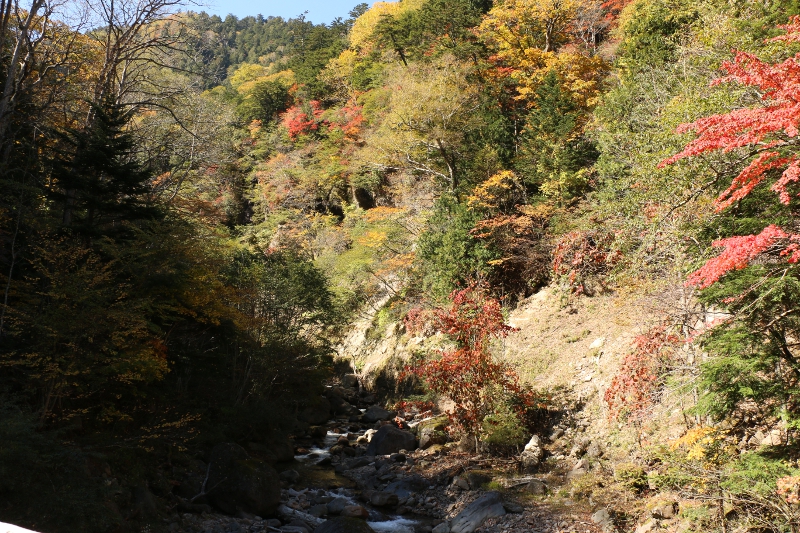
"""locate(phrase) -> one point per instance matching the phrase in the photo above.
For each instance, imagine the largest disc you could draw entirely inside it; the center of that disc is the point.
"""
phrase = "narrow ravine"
(367, 472)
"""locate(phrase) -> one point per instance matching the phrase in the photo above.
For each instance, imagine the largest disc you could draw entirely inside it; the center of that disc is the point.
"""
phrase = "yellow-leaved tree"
(362, 32)
(533, 37)
(430, 112)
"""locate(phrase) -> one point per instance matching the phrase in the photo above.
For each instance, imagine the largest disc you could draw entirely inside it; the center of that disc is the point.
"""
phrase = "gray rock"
(316, 413)
(376, 414)
(432, 432)
(390, 439)
(576, 473)
(384, 499)
(444, 527)
(350, 381)
(648, 527)
(603, 519)
(594, 451)
(579, 448)
(337, 505)
(532, 454)
(665, 511)
(294, 529)
(468, 520)
(407, 487)
(477, 480)
(340, 406)
(359, 462)
(430, 439)
(318, 510)
(536, 486)
(344, 525)
(355, 511)
(236, 482)
(295, 517)
(461, 483)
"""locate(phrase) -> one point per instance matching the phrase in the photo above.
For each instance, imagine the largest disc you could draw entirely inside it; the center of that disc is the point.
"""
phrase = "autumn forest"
(197, 213)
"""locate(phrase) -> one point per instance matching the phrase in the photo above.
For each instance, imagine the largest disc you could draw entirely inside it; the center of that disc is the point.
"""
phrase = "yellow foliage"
(381, 213)
(531, 36)
(248, 75)
(502, 188)
(247, 72)
(541, 211)
(338, 73)
(703, 443)
(373, 239)
(365, 25)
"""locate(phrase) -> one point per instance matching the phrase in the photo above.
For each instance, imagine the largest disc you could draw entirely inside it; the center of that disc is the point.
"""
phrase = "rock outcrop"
(390, 439)
(487, 506)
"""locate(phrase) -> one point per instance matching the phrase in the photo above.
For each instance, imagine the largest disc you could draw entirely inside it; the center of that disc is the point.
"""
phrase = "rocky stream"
(366, 469)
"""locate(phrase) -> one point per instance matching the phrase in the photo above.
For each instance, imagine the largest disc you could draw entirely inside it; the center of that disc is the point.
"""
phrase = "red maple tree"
(770, 132)
(302, 119)
(467, 373)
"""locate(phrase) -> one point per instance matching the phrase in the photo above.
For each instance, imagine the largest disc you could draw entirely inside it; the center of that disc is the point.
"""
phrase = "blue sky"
(319, 11)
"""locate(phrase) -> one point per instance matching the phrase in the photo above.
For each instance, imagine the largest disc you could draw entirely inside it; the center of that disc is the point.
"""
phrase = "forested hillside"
(196, 215)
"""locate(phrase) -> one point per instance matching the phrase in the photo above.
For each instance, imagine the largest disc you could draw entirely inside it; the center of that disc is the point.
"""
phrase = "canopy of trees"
(193, 208)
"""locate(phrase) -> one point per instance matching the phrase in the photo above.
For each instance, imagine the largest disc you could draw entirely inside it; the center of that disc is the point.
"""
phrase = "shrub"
(582, 258)
(519, 241)
(632, 390)
(448, 256)
(503, 431)
(467, 374)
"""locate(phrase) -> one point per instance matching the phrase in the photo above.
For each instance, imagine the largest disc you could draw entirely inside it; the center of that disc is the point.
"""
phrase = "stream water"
(319, 482)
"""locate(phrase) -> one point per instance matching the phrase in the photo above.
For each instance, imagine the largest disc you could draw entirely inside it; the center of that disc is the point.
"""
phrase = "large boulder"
(532, 454)
(432, 431)
(317, 412)
(407, 486)
(350, 381)
(236, 482)
(344, 525)
(390, 439)
(384, 499)
(473, 515)
(375, 414)
(340, 406)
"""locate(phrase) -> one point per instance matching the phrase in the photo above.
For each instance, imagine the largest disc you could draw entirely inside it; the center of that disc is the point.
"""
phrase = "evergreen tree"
(554, 150)
(97, 182)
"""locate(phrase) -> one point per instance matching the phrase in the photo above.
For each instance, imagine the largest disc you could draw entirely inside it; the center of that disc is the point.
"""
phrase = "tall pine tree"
(98, 183)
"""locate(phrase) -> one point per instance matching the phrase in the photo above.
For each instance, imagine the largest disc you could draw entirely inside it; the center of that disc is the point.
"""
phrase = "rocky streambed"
(368, 470)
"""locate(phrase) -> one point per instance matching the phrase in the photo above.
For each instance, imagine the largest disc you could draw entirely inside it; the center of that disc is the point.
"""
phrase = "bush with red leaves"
(581, 258)
(768, 132)
(633, 390)
(467, 374)
(302, 119)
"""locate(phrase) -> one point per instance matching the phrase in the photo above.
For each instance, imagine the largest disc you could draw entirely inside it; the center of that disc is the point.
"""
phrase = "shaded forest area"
(193, 209)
